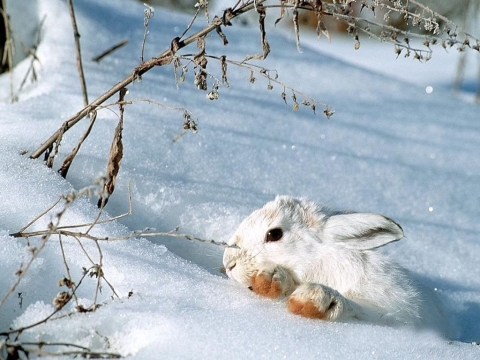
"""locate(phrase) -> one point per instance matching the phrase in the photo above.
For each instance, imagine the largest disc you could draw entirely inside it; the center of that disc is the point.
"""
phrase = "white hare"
(325, 263)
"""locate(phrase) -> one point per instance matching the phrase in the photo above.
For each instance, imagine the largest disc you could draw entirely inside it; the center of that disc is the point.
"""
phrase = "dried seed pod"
(66, 282)
(61, 299)
(328, 113)
(223, 61)
(212, 95)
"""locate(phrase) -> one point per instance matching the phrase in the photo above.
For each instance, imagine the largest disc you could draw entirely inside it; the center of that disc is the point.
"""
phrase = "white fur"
(328, 259)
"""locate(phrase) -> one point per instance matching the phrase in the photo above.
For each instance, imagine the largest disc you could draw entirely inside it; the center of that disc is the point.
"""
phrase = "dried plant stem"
(43, 241)
(9, 48)
(110, 50)
(31, 68)
(264, 73)
(23, 328)
(115, 156)
(63, 230)
(191, 22)
(22, 271)
(67, 268)
(69, 158)
(433, 13)
(21, 232)
(76, 35)
(148, 12)
(163, 59)
(36, 250)
(133, 234)
(99, 272)
(82, 352)
(40, 215)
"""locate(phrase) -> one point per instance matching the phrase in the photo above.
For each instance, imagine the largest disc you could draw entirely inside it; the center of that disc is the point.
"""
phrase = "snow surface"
(391, 148)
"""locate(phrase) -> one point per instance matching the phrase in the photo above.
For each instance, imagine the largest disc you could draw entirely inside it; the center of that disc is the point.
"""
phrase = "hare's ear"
(361, 231)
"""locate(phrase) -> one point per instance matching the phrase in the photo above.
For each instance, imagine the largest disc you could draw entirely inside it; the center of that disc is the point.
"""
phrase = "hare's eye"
(274, 235)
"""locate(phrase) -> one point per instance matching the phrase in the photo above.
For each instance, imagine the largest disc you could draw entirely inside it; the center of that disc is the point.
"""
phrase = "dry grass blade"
(115, 156)
(68, 160)
(263, 35)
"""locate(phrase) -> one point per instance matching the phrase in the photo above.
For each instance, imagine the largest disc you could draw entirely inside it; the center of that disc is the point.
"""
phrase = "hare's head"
(296, 233)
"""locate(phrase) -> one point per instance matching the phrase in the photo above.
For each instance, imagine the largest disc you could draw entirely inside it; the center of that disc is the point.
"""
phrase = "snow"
(391, 148)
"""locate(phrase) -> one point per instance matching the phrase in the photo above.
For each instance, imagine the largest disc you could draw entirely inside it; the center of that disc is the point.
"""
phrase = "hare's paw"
(316, 301)
(272, 281)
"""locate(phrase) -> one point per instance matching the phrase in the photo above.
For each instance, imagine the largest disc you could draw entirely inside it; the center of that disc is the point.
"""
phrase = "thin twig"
(22, 271)
(76, 35)
(83, 351)
(191, 23)
(67, 268)
(264, 73)
(69, 158)
(26, 327)
(84, 251)
(110, 50)
(99, 273)
(39, 216)
(149, 12)
(36, 250)
(133, 234)
(90, 225)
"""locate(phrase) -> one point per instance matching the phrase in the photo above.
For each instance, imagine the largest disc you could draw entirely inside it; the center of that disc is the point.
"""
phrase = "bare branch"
(165, 58)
